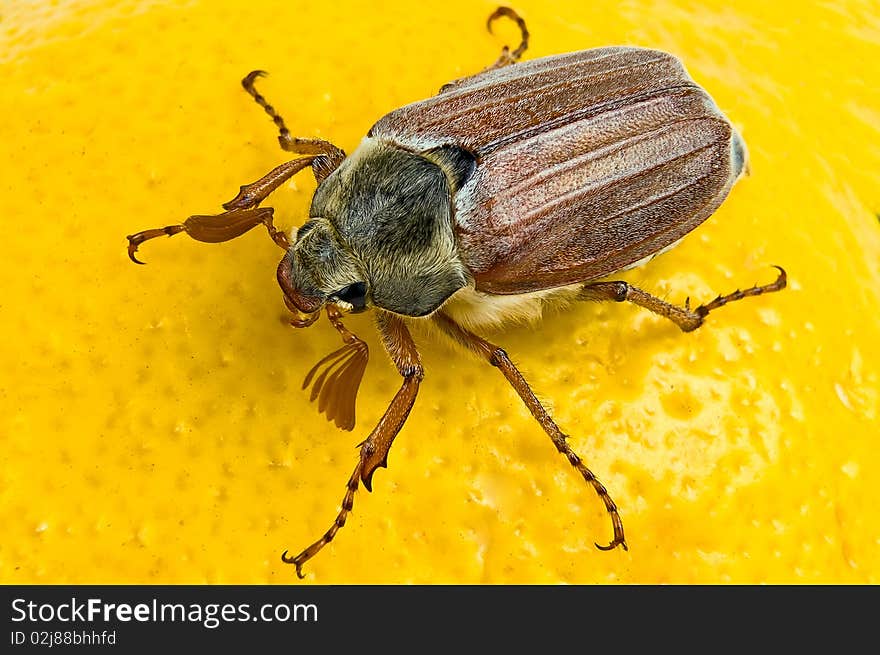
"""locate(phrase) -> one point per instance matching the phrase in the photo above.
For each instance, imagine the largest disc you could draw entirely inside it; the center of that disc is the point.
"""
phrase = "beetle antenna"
(508, 57)
(336, 387)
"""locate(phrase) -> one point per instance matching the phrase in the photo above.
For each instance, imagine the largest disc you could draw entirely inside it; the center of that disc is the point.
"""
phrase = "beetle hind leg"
(507, 56)
(685, 318)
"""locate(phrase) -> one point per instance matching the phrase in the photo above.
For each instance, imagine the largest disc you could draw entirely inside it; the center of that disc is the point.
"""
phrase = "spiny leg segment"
(242, 211)
(374, 450)
(328, 156)
(684, 317)
(242, 214)
(507, 57)
(499, 359)
(351, 488)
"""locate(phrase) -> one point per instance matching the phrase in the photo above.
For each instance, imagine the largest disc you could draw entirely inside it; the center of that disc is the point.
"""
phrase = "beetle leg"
(374, 450)
(212, 229)
(251, 195)
(242, 214)
(507, 57)
(327, 156)
(499, 359)
(684, 317)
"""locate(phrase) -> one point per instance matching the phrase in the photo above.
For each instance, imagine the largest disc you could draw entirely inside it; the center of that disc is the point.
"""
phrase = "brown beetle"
(525, 183)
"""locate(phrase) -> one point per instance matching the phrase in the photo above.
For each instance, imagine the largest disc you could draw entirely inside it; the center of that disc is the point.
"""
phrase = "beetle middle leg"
(328, 157)
(499, 359)
(242, 214)
(374, 450)
(684, 317)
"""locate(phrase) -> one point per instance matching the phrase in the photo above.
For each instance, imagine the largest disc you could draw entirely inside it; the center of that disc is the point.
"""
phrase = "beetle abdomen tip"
(739, 156)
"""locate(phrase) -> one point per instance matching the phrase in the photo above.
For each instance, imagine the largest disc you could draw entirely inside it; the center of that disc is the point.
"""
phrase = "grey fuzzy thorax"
(390, 213)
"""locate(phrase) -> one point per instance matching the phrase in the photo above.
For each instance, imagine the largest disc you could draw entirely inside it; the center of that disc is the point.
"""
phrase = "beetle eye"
(354, 294)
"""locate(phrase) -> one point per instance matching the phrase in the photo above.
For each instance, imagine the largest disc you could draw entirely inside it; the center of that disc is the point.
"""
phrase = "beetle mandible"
(523, 184)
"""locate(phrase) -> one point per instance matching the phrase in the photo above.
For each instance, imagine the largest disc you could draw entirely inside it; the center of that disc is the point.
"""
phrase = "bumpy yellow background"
(152, 425)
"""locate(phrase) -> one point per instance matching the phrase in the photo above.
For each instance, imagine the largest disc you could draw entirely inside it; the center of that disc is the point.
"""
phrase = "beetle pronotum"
(522, 184)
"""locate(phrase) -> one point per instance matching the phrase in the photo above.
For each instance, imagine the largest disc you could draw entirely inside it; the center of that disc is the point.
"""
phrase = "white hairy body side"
(474, 309)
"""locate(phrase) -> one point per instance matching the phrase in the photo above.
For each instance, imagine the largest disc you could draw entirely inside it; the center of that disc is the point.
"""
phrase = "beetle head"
(318, 269)
(380, 235)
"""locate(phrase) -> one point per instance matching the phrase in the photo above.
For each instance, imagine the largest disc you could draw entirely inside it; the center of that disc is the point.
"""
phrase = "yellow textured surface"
(151, 420)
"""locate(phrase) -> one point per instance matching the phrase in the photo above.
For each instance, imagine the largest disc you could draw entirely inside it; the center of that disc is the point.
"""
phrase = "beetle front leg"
(242, 214)
(684, 317)
(212, 229)
(499, 359)
(328, 157)
(374, 450)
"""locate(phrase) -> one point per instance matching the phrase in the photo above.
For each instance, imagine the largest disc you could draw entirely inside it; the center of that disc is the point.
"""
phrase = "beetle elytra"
(525, 183)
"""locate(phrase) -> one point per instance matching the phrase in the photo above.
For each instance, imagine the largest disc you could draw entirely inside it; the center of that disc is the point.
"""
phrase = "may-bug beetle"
(522, 184)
